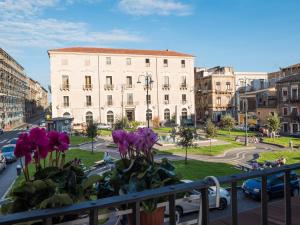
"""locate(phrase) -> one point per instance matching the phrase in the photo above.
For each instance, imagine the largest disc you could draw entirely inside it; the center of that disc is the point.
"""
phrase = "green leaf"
(57, 200)
(88, 182)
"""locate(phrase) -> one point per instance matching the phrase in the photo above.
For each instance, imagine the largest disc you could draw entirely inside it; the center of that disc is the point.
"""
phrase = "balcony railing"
(108, 86)
(65, 87)
(131, 103)
(135, 199)
(166, 86)
(183, 86)
(109, 103)
(87, 87)
(129, 86)
(166, 102)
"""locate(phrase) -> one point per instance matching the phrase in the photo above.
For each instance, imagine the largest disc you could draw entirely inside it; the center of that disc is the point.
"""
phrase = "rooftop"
(120, 51)
(291, 78)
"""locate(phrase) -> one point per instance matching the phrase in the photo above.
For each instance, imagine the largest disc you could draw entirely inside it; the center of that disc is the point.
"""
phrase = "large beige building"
(100, 84)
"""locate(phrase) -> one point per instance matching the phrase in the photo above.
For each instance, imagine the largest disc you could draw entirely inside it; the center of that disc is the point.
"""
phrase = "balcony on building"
(166, 86)
(183, 86)
(108, 87)
(87, 87)
(65, 87)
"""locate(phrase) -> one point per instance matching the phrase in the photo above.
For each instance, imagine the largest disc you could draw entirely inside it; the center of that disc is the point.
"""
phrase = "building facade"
(13, 87)
(288, 96)
(215, 93)
(266, 104)
(283, 72)
(101, 85)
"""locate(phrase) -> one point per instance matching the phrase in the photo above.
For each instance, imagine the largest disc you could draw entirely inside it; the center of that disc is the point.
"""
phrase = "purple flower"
(39, 141)
(58, 141)
(23, 148)
(118, 135)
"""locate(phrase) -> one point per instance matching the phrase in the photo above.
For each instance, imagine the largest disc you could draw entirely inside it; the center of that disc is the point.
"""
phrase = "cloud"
(54, 33)
(22, 26)
(152, 7)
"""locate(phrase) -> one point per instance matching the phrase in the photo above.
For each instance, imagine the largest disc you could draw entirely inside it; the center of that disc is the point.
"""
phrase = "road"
(8, 176)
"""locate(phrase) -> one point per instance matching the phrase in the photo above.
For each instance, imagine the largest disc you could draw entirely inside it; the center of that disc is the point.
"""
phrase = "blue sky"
(251, 35)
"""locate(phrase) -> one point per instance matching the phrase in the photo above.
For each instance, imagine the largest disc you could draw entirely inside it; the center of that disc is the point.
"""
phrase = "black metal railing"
(170, 191)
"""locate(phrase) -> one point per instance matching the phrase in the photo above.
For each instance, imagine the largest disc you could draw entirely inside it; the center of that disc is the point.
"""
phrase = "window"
(89, 117)
(183, 63)
(129, 81)
(128, 61)
(294, 111)
(183, 81)
(165, 63)
(66, 101)
(67, 115)
(109, 100)
(285, 127)
(284, 92)
(184, 114)
(108, 60)
(272, 113)
(183, 98)
(166, 99)
(149, 114)
(88, 82)
(109, 80)
(166, 81)
(110, 117)
(218, 100)
(167, 114)
(65, 82)
(88, 100)
(227, 85)
(262, 83)
(294, 93)
(147, 61)
(218, 86)
(285, 111)
(129, 99)
(148, 99)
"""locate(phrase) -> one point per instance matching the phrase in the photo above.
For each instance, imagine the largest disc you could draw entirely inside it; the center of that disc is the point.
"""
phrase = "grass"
(205, 150)
(87, 158)
(76, 140)
(104, 132)
(195, 170)
(224, 134)
(163, 130)
(291, 156)
(284, 141)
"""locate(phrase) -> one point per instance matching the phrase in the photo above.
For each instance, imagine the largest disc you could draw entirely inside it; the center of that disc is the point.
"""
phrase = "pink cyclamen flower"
(39, 141)
(58, 141)
(23, 148)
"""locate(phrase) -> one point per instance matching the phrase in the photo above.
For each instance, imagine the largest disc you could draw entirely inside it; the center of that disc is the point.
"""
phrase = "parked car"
(191, 202)
(8, 152)
(241, 127)
(13, 141)
(2, 162)
(103, 126)
(275, 186)
(1, 131)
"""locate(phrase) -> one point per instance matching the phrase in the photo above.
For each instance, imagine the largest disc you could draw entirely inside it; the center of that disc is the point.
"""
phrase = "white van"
(2, 162)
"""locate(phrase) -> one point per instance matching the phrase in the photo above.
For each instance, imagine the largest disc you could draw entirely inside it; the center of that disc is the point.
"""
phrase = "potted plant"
(52, 182)
(137, 171)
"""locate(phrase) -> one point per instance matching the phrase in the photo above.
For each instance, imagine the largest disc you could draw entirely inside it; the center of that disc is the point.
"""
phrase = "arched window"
(149, 114)
(184, 113)
(67, 115)
(110, 117)
(89, 117)
(167, 114)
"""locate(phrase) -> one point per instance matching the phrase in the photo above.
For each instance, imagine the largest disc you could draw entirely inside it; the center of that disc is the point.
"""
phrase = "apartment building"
(13, 89)
(215, 92)
(266, 104)
(288, 96)
(283, 72)
(101, 84)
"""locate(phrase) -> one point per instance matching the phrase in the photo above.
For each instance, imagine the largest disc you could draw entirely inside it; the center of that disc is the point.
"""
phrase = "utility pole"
(246, 114)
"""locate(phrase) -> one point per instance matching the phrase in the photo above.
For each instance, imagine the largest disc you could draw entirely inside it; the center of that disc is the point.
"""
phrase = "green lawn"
(163, 130)
(86, 157)
(224, 134)
(284, 141)
(76, 140)
(195, 169)
(205, 150)
(103, 132)
(291, 156)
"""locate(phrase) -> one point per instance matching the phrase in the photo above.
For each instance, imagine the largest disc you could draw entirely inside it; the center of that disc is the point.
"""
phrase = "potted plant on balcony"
(137, 171)
(54, 183)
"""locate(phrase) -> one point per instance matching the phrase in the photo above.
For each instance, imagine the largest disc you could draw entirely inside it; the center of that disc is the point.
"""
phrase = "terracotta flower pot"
(152, 218)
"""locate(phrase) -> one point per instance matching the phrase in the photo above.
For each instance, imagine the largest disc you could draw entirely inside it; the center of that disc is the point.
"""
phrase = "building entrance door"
(295, 128)
(130, 115)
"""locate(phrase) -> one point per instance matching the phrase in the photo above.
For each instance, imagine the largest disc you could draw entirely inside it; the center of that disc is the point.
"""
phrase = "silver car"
(191, 202)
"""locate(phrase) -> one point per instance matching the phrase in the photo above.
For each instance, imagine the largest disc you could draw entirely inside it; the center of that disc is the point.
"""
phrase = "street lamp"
(246, 112)
(149, 81)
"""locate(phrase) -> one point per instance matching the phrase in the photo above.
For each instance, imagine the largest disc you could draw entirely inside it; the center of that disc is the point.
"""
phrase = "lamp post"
(246, 113)
(149, 81)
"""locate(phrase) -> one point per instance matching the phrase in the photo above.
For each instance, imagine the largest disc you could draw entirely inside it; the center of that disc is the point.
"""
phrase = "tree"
(228, 122)
(273, 123)
(156, 122)
(91, 133)
(186, 139)
(211, 131)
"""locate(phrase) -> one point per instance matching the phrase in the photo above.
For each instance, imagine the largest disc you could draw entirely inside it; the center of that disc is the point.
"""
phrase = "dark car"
(8, 152)
(275, 186)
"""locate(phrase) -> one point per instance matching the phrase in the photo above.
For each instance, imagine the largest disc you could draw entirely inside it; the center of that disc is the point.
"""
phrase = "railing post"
(47, 221)
(205, 206)
(172, 209)
(287, 198)
(93, 216)
(136, 213)
(234, 209)
(264, 200)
